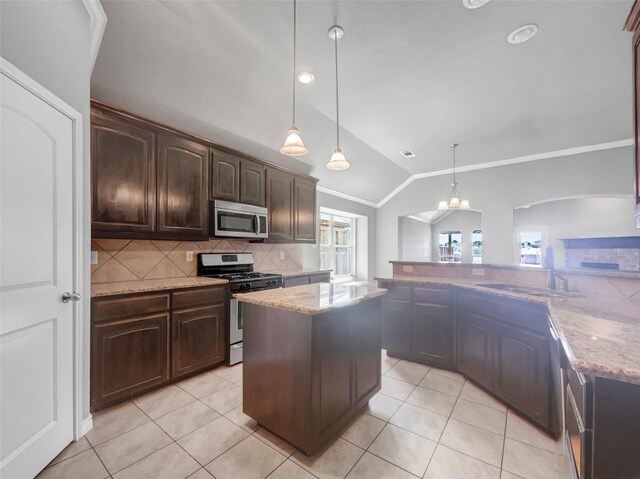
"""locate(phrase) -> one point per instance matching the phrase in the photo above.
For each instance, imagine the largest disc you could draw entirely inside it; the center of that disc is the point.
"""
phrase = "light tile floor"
(425, 423)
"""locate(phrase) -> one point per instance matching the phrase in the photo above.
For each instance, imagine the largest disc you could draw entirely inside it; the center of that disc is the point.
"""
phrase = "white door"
(36, 268)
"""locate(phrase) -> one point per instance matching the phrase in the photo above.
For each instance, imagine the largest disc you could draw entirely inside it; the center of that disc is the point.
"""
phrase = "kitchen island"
(311, 358)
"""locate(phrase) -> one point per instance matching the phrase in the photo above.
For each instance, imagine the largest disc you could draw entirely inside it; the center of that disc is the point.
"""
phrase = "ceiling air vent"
(408, 154)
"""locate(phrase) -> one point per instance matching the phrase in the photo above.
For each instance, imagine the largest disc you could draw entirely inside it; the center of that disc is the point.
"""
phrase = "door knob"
(66, 297)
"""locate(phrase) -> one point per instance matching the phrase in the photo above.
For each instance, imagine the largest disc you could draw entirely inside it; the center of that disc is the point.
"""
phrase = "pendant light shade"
(338, 161)
(455, 201)
(293, 145)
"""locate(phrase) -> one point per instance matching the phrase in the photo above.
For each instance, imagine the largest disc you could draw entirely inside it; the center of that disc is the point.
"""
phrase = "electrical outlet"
(189, 257)
(94, 257)
(407, 269)
(477, 272)
(281, 255)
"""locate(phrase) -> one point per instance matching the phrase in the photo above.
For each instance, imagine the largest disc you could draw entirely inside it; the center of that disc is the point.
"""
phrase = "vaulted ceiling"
(414, 75)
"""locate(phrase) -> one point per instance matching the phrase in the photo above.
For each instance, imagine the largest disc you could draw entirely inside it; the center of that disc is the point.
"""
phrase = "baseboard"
(87, 424)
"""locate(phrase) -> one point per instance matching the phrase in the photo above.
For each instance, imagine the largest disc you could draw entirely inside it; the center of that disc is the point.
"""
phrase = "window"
(337, 244)
(450, 246)
(476, 246)
(531, 248)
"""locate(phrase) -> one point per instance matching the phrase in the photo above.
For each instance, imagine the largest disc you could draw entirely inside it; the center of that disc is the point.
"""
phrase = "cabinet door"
(123, 175)
(225, 176)
(127, 357)
(636, 61)
(433, 334)
(522, 372)
(183, 204)
(197, 338)
(252, 183)
(280, 204)
(397, 327)
(367, 343)
(474, 352)
(305, 210)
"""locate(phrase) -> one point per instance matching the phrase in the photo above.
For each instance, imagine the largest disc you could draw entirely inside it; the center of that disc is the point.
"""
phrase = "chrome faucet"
(551, 274)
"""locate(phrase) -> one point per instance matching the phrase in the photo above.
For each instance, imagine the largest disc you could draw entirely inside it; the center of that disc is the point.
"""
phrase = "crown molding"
(97, 26)
(482, 166)
(345, 196)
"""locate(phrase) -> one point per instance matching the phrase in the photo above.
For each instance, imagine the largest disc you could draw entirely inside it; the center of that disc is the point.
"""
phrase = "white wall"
(463, 221)
(415, 240)
(49, 41)
(366, 230)
(579, 218)
(497, 191)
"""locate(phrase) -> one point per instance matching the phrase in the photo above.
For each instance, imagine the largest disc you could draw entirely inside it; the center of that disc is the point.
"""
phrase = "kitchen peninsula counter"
(311, 358)
(599, 332)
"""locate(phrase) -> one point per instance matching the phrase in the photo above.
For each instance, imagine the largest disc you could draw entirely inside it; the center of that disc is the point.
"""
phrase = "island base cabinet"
(128, 356)
(307, 376)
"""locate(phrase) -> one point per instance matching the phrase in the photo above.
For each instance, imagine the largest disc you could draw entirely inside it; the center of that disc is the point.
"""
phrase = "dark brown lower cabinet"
(299, 280)
(433, 334)
(307, 376)
(474, 348)
(397, 327)
(128, 356)
(522, 369)
(198, 339)
(142, 341)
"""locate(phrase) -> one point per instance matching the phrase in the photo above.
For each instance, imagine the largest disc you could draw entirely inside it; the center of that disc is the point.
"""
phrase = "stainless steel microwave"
(237, 220)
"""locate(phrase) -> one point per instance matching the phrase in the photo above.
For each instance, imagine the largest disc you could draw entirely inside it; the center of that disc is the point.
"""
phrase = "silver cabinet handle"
(66, 297)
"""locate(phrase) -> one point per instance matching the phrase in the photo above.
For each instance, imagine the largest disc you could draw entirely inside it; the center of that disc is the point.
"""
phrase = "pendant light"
(337, 161)
(293, 145)
(454, 201)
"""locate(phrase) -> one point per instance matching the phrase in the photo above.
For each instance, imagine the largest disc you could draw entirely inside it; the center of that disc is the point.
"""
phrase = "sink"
(528, 290)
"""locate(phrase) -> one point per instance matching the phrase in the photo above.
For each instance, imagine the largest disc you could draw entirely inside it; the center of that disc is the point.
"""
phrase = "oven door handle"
(256, 224)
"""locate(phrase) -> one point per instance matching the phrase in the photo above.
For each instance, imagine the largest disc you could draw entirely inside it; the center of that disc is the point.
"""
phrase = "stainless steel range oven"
(237, 268)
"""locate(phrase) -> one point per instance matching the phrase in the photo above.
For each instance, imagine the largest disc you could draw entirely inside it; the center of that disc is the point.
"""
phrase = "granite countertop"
(312, 298)
(600, 333)
(149, 285)
(608, 273)
(289, 273)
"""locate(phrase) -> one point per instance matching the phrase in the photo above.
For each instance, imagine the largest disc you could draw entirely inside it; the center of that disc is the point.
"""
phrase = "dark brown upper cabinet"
(225, 176)
(280, 204)
(183, 200)
(304, 220)
(150, 181)
(123, 181)
(252, 183)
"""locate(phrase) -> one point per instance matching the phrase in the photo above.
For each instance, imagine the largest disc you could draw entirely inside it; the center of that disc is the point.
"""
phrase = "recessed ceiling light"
(306, 77)
(522, 34)
(474, 3)
(408, 154)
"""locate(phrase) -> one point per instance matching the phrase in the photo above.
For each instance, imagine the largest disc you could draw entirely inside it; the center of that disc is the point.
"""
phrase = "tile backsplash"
(627, 258)
(131, 260)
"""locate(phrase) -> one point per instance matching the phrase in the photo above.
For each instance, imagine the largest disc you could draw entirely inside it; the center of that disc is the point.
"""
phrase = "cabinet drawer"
(581, 390)
(296, 281)
(118, 308)
(320, 278)
(432, 295)
(402, 293)
(579, 436)
(512, 311)
(197, 297)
